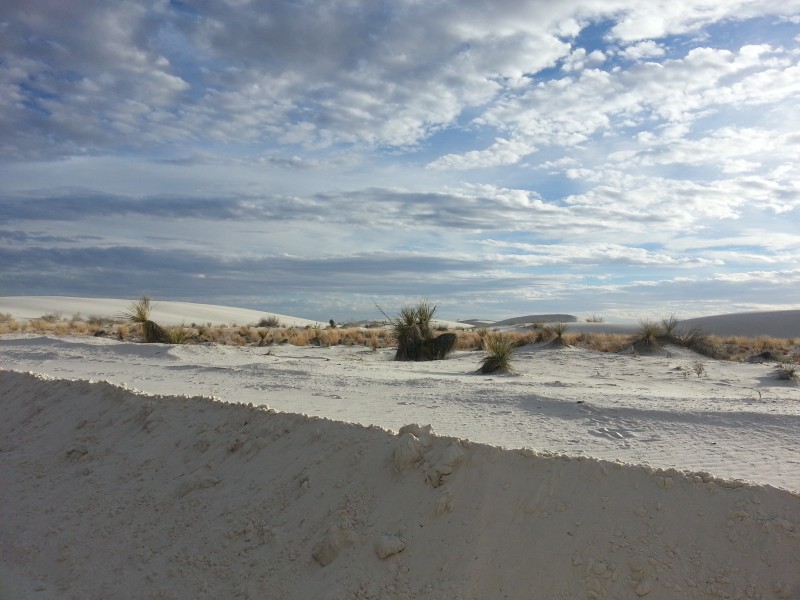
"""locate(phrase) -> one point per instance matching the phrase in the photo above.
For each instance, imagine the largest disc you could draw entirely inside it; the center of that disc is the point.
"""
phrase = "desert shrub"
(270, 321)
(139, 314)
(650, 331)
(669, 328)
(699, 368)
(179, 334)
(374, 340)
(333, 336)
(499, 351)
(557, 330)
(698, 340)
(413, 332)
(788, 372)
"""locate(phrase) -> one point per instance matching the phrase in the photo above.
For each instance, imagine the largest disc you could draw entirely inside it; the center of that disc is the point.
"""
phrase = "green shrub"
(500, 350)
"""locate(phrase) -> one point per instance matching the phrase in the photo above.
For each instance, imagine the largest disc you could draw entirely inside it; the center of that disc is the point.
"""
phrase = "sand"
(121, 476)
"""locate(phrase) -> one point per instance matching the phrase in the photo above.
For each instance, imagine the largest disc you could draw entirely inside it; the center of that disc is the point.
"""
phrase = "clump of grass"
(650, 331)
(669, 328)
(499, 352)
(139, 314)
(180, 334)
(788, 372)
(558, 330)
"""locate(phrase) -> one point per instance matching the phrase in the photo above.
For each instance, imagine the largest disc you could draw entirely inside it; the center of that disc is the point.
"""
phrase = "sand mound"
(107, 491)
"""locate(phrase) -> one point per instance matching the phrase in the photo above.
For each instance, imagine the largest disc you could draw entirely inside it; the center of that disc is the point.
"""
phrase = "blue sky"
(617, 158)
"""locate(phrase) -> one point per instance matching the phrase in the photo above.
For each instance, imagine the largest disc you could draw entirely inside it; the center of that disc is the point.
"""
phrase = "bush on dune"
(139, 314)
(414, 333)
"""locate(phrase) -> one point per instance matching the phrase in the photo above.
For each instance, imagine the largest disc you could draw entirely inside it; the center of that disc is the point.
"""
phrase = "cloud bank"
(609, 157)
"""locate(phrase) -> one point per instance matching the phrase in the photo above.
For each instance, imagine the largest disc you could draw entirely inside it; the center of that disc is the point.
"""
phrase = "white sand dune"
(108, 492)
(778, 323)
(164, 312)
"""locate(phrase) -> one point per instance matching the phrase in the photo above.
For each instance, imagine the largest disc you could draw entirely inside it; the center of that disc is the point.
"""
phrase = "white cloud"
(502, 152)
(410, 130)
(642, 50)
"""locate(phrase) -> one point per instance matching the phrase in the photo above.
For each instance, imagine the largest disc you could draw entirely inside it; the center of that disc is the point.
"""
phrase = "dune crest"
(181, 497)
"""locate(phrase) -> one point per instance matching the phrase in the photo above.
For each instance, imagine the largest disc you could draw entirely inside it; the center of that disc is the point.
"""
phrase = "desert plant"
(669, 327)
(699, 368)
(650, 331)
(558, 330)
(788, 372)
(271, 321)
(139, 314)
(180, 334)
(413, 332)
(499, 351)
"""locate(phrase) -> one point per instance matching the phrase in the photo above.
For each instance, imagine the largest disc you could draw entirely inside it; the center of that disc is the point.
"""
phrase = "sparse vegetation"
(788, 372)
(378, 335)
(139, 314)
(699, 368)
(413, 332)
(499, 351)
(558, 330)
(179, 334)
(271, 321)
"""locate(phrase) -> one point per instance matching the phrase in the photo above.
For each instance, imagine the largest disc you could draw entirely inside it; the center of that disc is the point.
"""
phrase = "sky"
(609, 158)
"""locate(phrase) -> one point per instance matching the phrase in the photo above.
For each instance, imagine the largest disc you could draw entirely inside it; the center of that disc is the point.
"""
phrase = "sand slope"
(737, 420)
(108, 494)
(164, 312)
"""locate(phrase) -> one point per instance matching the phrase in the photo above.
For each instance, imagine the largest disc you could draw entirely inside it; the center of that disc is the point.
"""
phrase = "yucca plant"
(413, 332)
(558, 330)
(669, 327)
(499, 351)
(139, 314)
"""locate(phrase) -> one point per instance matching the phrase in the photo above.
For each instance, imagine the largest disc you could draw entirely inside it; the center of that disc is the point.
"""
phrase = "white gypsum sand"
(108, 493)
(105, 490)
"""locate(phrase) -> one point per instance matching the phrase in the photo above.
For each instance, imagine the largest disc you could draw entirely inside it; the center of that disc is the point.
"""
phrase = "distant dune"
(779, 323)
(552, 318)
(164, 312)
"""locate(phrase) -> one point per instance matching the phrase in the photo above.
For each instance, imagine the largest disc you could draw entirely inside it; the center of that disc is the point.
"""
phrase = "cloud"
(137, 75)
(460, 148)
